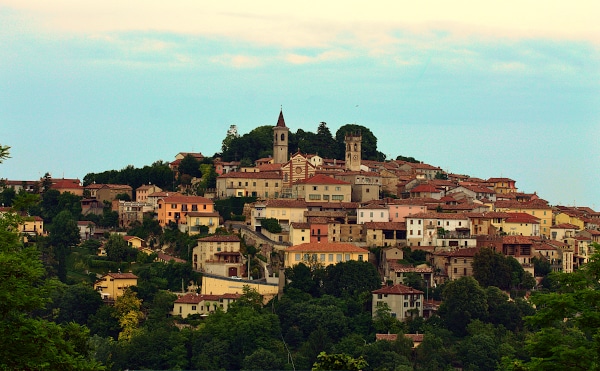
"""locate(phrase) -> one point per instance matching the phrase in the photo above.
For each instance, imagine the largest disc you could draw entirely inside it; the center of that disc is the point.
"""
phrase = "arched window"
(355, 146)
(282, 137)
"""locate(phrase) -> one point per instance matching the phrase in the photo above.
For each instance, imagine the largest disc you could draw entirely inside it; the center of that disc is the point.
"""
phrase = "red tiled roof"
(397, 290)
(321, 179)
(466, 253)
(522, 218)
(187, 200)
(122, 275)
(164, 194)
(564, 226)
(388, 337)
(249, 175)
(425, 188)
(300, 225)
(516, 240)
(196, 298)
(221, 238)
(269, 167)
(298, 204)
(200, 214)
(396, 226)
(435, 215)
(326, 247)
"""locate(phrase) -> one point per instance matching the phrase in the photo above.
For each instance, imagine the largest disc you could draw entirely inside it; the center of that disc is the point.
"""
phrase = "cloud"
(321, 24)
(237, 61)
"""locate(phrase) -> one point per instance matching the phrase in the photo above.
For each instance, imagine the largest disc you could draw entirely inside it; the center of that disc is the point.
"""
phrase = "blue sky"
(509, 91)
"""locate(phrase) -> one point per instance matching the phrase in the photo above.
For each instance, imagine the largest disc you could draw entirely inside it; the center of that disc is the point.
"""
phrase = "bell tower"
(280, 141)
(353, 150)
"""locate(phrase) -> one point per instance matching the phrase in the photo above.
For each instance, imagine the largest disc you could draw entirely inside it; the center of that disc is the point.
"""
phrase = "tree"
(128, 313)
(64, 234)
(350, 278)
(338, 362)
(116, 248)
(464, 301)
(191, 166)
(271, 225)
(31, 343)
(77, 304)
(4, 153)
(368, 145)
(491, 269)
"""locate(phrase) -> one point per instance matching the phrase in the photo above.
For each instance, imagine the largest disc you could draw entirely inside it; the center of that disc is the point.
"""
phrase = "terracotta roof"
(122, 275)
(425, 188)
(326, 247)
(196, 298)
(416, 338)
(397, 290)
(321, 179)
(221, 238)
(466, 253)
(299, 204)
(127, 238)
(396, 226)
(164, 194)
(564, 226)
(496, 180)
(435, 215)
(373, 206)
(517, 240)
(250, 175)
(115, 186)
(388, 337)
(269, 168)
(300, 225)
(168, 258)
(403, 268)
(522, 218)
(200, 214)
(187, 200)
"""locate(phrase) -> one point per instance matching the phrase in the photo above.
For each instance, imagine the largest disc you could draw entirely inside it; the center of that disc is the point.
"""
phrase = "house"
(174, 209)
(558, 254)
(400, 209)
(319, 229)
(196, 219)
(324, 253)
(30, 186)
(564, 230)
(538, 208)
(452, 265)
(372, 213)
(384, 233)
(365, 185)
(113, 285)
(109, 192)
(32, 225)
(193, 303)
(259, 184)
(219, 254)
(285, 211)
(425, 228)
(161, 257)
(299, 233)
(154, 197)
(503, 185)
(91, 206)
(131, 211)
(519, 224)
(397, 273)
(572, 218)
(142, 192)
(322, 188)
(86, 229)
(180, 156)
(67, 185)
(404, 302)
(474, 192)
(426, 191)
(135, 242)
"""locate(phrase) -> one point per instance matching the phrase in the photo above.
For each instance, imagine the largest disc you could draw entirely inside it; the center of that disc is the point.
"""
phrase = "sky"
(488, 89)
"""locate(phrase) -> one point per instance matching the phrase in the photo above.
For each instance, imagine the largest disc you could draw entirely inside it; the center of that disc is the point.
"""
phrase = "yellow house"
(217, 285)
(175, 208)
(196, 219)
(112, 285)
(134, 241)
(322, 188)
(285, 211)
(218, 254)
(299, 233)
(566, 217)
(324, 253)
(538, 208)
(261, 184)
(32, 225)
(518, 224)
(194, 303)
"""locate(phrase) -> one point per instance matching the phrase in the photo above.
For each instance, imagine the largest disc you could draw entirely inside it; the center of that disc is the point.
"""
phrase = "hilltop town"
(392, 237)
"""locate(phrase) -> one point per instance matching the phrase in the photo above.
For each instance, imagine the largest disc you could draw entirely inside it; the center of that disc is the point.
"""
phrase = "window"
(405, 304)
(338, 257)
(297, 256)
(337, 197)
(314, 197)
(347, 257)
(455, 270)
(314, 188)
(338, 188)
(360, 258)
(193, 307)
(322, 257)
(327, 188)
(254, 184)
(330, 257)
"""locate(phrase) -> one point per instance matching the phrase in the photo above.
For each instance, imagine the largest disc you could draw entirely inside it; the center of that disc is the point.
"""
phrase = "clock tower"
(353, 150)
(280, 141)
